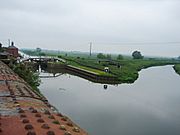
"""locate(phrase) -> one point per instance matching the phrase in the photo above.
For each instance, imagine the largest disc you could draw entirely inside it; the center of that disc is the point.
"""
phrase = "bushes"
(28, 75)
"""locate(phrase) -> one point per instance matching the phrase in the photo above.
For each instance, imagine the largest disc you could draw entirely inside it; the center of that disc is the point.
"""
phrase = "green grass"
(130, 68)
(92, 70)
(56, 122)
(128, 72)
(177, 68)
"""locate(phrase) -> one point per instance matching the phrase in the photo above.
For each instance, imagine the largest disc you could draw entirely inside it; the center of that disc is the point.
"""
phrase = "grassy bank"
(126, 70)
(177, 68)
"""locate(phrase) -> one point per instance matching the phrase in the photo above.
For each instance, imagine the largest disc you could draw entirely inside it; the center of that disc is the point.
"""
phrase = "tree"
(108, 56)
(42, 54)
(38, 50)
(137, 55)
(101, 56)
(59, 56)
(0, 47)
(120, 57)
(179, 58)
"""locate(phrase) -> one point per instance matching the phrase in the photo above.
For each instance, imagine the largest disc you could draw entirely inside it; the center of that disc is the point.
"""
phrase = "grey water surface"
(150, 106)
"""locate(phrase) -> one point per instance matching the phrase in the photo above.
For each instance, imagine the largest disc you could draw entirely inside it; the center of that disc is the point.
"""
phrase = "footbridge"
(42, 59)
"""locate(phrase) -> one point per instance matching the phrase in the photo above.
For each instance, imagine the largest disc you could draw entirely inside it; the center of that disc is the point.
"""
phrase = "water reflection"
(96, 79)
(150, 106)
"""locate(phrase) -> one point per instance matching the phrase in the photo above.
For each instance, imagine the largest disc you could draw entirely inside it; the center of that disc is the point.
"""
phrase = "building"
(5, 55)
(13, 50)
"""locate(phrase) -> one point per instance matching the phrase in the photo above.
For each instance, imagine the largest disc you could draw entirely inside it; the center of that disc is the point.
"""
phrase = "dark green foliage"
(108, 57)
(30, 52)
(101, 56)
(137, 55)
(177, 68)
(42, 54)
(28, 75)
(38, 50)
(0, 47)
(120, 57)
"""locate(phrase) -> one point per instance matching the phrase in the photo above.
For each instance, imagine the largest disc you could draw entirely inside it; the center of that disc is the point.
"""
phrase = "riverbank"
(125, 71)
(24, 111)
(177, 68)
(85, 72)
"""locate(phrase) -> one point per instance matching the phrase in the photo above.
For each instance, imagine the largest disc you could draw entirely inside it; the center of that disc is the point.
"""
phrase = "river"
(150, 106)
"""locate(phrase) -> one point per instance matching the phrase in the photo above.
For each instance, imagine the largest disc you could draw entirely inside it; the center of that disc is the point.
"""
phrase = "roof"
(5, 53)
(12, 47)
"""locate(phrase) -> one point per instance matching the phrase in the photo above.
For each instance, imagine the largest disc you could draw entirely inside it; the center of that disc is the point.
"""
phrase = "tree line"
(135, 55)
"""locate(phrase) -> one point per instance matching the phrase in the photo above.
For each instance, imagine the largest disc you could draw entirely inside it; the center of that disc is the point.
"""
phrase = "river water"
(150, 106)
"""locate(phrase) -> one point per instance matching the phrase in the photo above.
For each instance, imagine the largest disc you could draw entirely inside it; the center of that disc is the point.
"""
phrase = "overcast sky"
(112, 25)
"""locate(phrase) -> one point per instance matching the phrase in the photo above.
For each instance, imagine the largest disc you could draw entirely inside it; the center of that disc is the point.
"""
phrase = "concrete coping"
(84, 70)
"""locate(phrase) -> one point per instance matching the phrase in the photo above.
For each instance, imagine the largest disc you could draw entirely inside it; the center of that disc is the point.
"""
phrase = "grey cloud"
(72, 24)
